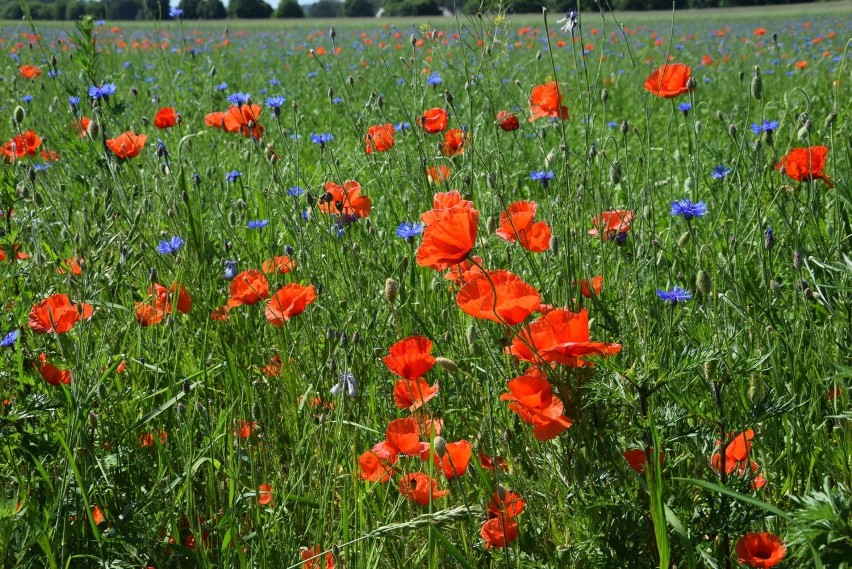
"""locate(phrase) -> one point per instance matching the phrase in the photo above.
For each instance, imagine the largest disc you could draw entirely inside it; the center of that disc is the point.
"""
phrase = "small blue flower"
(322, 139)
(337, 100)
(230, 270)
(74, 101)
(684, 107)
(312, 74)
(103, 91)
(41, 167)
(275, 102)
(345, 384)
(257, 223)
(434, 79)
(170, 246)
(54, 73)
(768, 238)
(720, 172)
(27, 98)
(175, 12)
(10, 339)
(766, 126)
(295, 191)
(612, 124)
(196, 178)
(570, 19)
(221, 86)
(409, 229)
(239, 98)
(674, 295)
(402, 126)
(542, 176)
(338, 229)
(687, 209)
(232, 176)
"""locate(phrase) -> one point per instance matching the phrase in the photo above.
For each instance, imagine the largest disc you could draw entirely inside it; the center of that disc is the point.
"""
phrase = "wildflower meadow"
(559, 290)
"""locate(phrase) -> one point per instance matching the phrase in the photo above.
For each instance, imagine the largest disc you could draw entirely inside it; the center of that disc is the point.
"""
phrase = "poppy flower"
(637, 458)
(82, 126)
(29, 71)
(280, 264)
(499, 296)
(465, 271)
(242, 119)
(560, 336)
(590, 287)
(289, 301)
(805, 164)
(517, 224)
(448, 239)
(244, 429)
(507, 121)
(612, 225)
(248, 287)
(410, 358)
(215, 120)
(434, 121)
(264, 494)
(412, 394)
(736, 451)
(506, 503)
(97, 515)
(499, 532)
(760, 550)
(127, 145)
(15, 254)
(420, 488)
(546, 101)
(401, 437)
(25, 144)
(53, 375)
(437, 174)
(312, 558)
(532, 399)
(174, 296)
(147, 439)
(375, 469)
(166, 117)
(56, 314)
(345, 200)
(456, 459)
(443, 201)
(490, 463)
(454, 142)
(379, 138)
(669, 80)
(73, 265)
(273, 367)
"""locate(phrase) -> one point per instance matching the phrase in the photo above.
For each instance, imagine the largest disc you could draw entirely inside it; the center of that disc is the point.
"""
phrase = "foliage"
(289, 9)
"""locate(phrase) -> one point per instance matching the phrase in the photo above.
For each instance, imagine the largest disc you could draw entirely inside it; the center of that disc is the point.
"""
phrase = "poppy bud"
(446, 364)
(232, 219)
(93, 419)
(187, 387)
(488, 50)
(538, 55)
(31, 174)
(412, 40)
(134, 91)
(380, 101)
(518, 83)
(797, 260)
(624, 127)
(294, 105)
(493, 224)
(709, 369)
(53, 61)
(331, 92)
(683, 240)
(19, 115)
(756, 88)
(470, 334)
(554, 245)
(351, 81)
(615, 172)
(604, 95)
(699, 128)
(757, 145)
(448, 97)
(829, 120)
(440, 447)
(803, 133)
(93, 129)
(391, 289)
(691, 83)
(152, 275)
(703, 282)
(332, 33)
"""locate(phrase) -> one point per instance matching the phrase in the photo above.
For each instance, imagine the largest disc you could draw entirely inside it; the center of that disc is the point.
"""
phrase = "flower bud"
(19, 115)
(683, 240)
(93, 129)
(440, 447)
(446, 364)
(624, 127)
(756, 87)
(615, 172)
(448, 97)
(332, 33)
(829, 120)
(691, 83)
(604, 95)
(391, 289)
(703, 282)
(538, 55)
(797, 260)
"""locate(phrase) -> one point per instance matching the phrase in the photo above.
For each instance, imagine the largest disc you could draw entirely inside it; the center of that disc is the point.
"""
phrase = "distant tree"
(190, 9)
(60, 9)
(359, 8)
(11, 12)
(249, 9)
(325, 9)
(413, 8)
(75, 10)
(154, 10)
(121, 9)
(212, 10)
(289, 9)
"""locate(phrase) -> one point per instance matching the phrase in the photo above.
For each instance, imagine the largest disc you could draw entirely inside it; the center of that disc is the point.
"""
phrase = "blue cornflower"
(570, 19)
(409, 229)
(612, 124)
(160, 149)
(684, 107)
(674, 295)
(196, 178)
(768, 238)
(338, 229)
(239, 98)
(74, 101)
(257, 223)
(54, 73)
(41, 167)
(687, 209)
(402, 126)
(27, 98)
(346, 384)
(230, 270)
(103, 91)
(100, 22)
(232, 176)
(337, 100)
(175, 12)
(275, 102)
(221, 86)
(434, 79)
(322, 138)
(10, 339)
(766, 126)
(720, 172)
(312, 74)
(295, 191)
(170, 246)
(542, 176)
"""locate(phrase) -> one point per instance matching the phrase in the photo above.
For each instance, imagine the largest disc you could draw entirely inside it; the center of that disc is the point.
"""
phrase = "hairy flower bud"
(446, 364)
(615, 172)
(391, 289)
(703, 282)
(756, 87)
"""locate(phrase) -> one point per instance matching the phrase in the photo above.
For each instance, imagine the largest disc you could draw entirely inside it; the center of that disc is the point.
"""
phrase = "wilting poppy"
(420, 488)
(448, 239)
(499, 532)
(454, 142)
(127, 145)
(411, 394)
(546, 101)
(312, 558)
(166, 117)
(264, 494)
(433, 121)
(280, 264)
(289, 301)
(517, 224)
(25, 144)
(456, 459)
(499, 296)
(437, 174)
(345, 200)
(507, 121)
(379, 138)
(669, 80)
(761, 550)
(375, 469)
(29, 71)
(612, 225)
(805, 164)
(56, 314)
(248, 287)
(410, 358)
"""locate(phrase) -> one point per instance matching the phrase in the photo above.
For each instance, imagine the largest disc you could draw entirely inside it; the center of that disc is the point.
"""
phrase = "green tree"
(289, 9)
(212, 10)
(190, 9)
(249, 9)
(359, 8)
(154, 10)
(75, 10)
(325, 9)
(413, 8)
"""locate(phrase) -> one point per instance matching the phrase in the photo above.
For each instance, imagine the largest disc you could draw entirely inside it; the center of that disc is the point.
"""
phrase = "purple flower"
(257, 223)
(232, 176)
(175, 12)
(9, 339)
(688, 209)
(295, 191)
(170, 246)
(766, 126)
(674, 295)
(542, 176)
(102, 92)
(409, 229)
(720, 172)
(239, 98)
(322, 139)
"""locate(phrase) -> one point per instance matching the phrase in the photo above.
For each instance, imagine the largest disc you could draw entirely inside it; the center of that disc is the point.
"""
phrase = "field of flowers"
(485, 292)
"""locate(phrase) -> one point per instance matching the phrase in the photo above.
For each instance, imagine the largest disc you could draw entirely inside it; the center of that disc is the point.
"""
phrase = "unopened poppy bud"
(380, 101)
(19, 115)
(683, 240)
(351, 81)
(493, 224)
(93, 129)
(757, 145)
(604, 95)
(294, 105)
(803, 133)
(412, 40)
(446, 364)
(691, 83)
(488, 50)
(829, 120)
(232, 219)
(448, 97)
(330, 92)
(518, 83)
(756, 87)
(93, 419)
(213, 71)
(538, 55)
(703, 282)
(332, 33)
(470, 334)
(615, 172)
(134, 91)
(554, 245)
(440, 447)
(699, 128)
(391, 289)
(31, 174)
(152, 276)
(709, 369)
(146, 121)
(797, 260)
(593, 151)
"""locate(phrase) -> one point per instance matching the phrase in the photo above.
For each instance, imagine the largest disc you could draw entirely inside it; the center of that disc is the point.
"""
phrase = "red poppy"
(25, 144)
(434, 121)
(56, 314)
(73, 265)
(248, 287)
(517, 224)
(264, 494)
(507, 121)
(736, 451)
(590, 287)
(499, 531)
(280, 264)
(760, 550)
(420, 488)
(244, 429)
(16, 253)
(290, 300)
(546, 101)
(465, 271)
(499, 296)
(610, 225)
(401, 437)
(410, 358)
(669, 80)
(166, 117)
(147, 439)
(448, 238)
(53, 375)
(215, 120)
(375, 469)
(443, 201)
(127, 145)
(411, 394)
(454, 142)
(456, 459)
(637, 458)
(560, 336)
(162, 301)
(437, 174)
(490, 463)
(345, 200)
(506, 503)
(312, 558)
(805, 164)
(97, 515)
(533, 401)
(29, 71)
(760, 32)
(242, 119)
(379, 138)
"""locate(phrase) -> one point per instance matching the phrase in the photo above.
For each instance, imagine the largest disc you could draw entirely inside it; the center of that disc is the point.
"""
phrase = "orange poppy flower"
(29, 71)
(760, 32)
(420, 488)
(560, 336)
(248, 287)
(669, 80)
(147, 439)
(25, 144)
(161, 302)
(97, 515)
(379, 138)
(499, 532)
(438, 174)
(546, 101)
(127, 145)
(289, 301)
(56, 314)
(465, 271)
(73, 265)
(264, 494)
(736, 452)
(454, 142)
(506, 503)
(375, 469)
(345, 200)
(82, 126)
(401, 437)
(215, 120)
(637, 458)
(516, 224)
(611, 225)
(410, 358)
(312, 558)
(507, 121)
(166, 117)
(805, 164)
(53, 375)
(448, 238)
(456, 459)
(533, 401)
(590, 287)
(15, 254)
(499, 296)
(244, 429)
(280, 264)
(412, 394)
(442, 201)
(761, 550)
(242, 119)
(434, 121)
